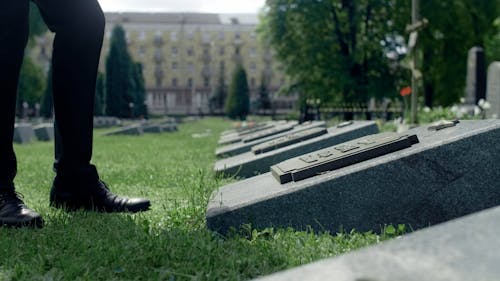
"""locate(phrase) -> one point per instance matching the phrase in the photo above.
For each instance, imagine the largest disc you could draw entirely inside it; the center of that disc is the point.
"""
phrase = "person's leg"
(79, 29)
(14, 31)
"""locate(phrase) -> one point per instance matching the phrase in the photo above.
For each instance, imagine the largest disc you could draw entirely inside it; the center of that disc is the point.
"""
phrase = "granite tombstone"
(255, 162)
(450, 172)
(460, 250)
(493, 90)
(242, 147)
(23, 133)
(44, 132)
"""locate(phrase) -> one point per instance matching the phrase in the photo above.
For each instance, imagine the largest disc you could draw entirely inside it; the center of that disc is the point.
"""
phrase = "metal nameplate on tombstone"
(342, 155)
(266, 133)
(289, 139)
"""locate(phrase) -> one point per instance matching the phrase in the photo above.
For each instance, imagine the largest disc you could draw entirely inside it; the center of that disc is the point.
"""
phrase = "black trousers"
(79, 29)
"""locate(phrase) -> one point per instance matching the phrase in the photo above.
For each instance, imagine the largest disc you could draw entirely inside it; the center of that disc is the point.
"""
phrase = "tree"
(31, 84)
(36, 23)
(220, 94)
(47, 106)
(139, 90)
(331, 48)
(119, 92)
(100, 97)
(238, 100)
(264, 100)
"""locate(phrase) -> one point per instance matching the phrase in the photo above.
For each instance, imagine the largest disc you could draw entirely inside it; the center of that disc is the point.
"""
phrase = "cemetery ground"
(170, 242)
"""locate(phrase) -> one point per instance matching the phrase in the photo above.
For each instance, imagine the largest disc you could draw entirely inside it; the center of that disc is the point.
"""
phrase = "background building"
(184, 55)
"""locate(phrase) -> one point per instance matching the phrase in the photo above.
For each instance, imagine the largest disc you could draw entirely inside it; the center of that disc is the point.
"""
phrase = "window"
(237, 35)
(142, 50)
(174, 65)
(222, 50)
(190, 51)
(206, 82)
(222, 35)
(142, 35)
(174, 51)
(253, 67)
(190, 82)
(174, 82)
(253, 51)
(190, 67)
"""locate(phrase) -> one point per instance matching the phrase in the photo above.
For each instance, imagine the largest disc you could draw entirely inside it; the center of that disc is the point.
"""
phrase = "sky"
(205, 6)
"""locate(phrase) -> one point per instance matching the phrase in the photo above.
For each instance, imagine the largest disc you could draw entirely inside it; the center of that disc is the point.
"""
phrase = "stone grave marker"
(476, 76)
(460, 250)
(242, 147)
(451, 172)
(129, 130)
(493, 90)
(23, 133)
(250, 163)
(237, 136)
(44, 132)
(152, 128)
(106, 122)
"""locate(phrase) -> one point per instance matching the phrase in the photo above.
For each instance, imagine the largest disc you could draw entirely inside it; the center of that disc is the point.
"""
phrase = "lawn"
(171, 241)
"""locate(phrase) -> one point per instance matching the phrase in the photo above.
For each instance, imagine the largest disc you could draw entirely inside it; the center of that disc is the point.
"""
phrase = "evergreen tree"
(264, 100)
(139, 90)
(100, 97)
(31, 84)
(238, 100)
(118, 76)
(47, 106)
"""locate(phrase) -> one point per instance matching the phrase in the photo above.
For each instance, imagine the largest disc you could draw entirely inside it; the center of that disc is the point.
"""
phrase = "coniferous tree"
(264, 100)
(238, 100)
(100, 97)
(47, 106)
(31, 84)
(139, 90)
(119, 92)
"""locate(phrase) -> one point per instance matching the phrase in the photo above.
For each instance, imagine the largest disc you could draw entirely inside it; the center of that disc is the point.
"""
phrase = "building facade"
(184, 56)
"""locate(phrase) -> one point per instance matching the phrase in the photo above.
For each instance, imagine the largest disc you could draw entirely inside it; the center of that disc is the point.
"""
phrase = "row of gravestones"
(153, 127)
(25, 132)
(482, 84)
(350, 177)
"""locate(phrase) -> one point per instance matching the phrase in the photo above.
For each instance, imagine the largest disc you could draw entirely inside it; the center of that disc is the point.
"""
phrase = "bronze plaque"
(289, 139)
(340, 156)
(267, 133)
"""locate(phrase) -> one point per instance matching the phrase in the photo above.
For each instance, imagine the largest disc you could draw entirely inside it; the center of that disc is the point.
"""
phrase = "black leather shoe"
(14, 213)
(94, 197)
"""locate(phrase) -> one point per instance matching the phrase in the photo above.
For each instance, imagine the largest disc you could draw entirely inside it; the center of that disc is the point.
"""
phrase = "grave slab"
(449, 173)
(250, 164)
(44, 132)
(239, 135)
(241, 147)
(134, 130)
(23, 133)
(493, 90)
(152, 128)
(460, 250)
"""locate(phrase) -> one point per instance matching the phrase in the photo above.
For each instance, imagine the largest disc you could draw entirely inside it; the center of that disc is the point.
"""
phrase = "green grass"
(171, 241)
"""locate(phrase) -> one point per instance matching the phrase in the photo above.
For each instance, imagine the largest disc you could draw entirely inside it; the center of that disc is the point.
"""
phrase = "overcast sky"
(207, 6)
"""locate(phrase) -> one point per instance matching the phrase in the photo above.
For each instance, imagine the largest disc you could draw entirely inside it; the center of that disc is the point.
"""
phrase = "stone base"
(44, 132)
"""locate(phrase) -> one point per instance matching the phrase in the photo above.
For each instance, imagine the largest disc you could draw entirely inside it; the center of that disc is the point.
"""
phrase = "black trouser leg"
(14, 31)
(79, 29)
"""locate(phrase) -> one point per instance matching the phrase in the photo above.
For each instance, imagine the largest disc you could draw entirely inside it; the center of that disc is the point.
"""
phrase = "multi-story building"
(184, 55)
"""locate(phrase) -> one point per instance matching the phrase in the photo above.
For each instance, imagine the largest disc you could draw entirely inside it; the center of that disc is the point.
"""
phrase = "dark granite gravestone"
(241, 147)
(152, 128)
(44, 132)
(451, 172)
(464, 249)
(135, 130)
(250, 164)
(476, 76)
(237, 136)
(23, 133)
(106, 122)
(493, 90)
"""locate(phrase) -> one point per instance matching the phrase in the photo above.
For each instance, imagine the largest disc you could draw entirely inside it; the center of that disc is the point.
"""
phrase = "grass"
(171, 241)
